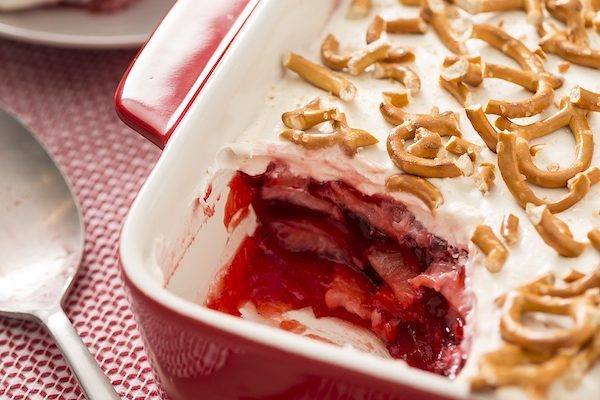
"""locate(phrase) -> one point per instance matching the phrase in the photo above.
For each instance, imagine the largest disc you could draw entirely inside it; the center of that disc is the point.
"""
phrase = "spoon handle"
(94, 383)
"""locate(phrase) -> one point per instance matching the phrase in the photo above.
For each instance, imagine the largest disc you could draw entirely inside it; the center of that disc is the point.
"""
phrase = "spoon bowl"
(41, 230)
(41, 246)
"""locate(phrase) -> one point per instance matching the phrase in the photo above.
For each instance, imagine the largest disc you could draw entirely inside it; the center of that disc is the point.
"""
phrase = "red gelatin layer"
(363, 259)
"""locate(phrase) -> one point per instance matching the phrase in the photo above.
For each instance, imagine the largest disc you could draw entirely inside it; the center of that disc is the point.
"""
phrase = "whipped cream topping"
(464, 206)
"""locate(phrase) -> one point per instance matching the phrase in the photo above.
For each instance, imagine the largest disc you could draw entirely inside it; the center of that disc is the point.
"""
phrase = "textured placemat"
(66, 98)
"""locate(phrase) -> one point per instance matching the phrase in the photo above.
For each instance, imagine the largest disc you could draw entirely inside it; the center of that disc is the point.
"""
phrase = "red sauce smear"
(363, 259)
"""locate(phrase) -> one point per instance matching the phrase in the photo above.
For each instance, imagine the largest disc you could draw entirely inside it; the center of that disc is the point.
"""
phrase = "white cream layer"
(464, 206)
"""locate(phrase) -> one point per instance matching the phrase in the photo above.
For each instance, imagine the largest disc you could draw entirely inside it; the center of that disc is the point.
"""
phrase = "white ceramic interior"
(160, 231)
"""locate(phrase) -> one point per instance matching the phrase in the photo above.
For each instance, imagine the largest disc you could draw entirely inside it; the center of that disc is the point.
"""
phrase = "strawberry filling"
(363, 259)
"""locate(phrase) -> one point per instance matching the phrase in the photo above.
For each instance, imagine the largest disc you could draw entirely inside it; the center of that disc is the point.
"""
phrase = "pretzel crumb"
(397, 99)
(563, 67)
(485, 177)
(509, 229)
(375, 29)
(496, 253)
(359, 9)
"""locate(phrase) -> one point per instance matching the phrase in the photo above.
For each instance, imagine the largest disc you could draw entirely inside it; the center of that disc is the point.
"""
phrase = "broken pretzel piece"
(427, 144)
(435, 12)
(526, 79)
(397, 99)
(459, 146)
(533, 7)
(540, 128)
(482, 126)
(459, 90)
(320, 76)
(485, 177)
(359, 9)
(509, 229)
(467, 69)
(362, 59)
(308, 116)
(554, 231)
(419, 187)
(399, 54)
(406, 25)
(559, 13)
(375, 29)
(557, 42)
(330, 56)
(402, 74)
(349, 139)
(585, 99)
(496, 253)
(575, 20)
(444, 124)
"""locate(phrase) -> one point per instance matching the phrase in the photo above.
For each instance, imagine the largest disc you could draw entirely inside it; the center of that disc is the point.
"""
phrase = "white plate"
(79, 28)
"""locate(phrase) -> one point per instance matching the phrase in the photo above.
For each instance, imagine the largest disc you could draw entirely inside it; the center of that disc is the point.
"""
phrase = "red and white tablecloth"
(66, 98)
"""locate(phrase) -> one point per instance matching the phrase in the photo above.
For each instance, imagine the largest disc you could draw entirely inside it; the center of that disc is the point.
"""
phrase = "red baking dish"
(197, 84)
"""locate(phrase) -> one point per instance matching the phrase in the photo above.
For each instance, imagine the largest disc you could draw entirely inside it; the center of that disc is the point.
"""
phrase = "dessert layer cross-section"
(426, 176)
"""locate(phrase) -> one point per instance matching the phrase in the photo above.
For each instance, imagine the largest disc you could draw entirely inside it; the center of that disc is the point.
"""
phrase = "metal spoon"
(41, 245)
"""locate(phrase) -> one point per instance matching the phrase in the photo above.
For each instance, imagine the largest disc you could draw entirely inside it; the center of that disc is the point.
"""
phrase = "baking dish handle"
(171, 69)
